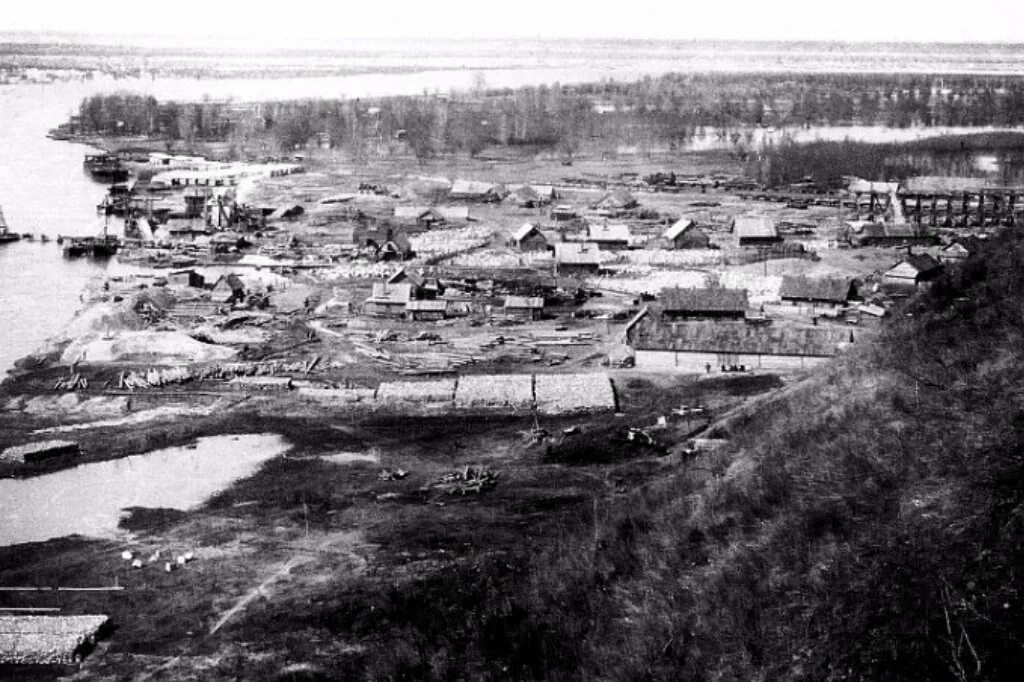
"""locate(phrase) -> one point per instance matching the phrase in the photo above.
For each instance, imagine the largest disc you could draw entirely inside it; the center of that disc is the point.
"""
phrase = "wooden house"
(617, 200)
(577, 258)
(755, 231)
(475, 190)
(523, 307)
(913, 271)
(395, 248)
(529, 238)
(563, 212)
(388, 299)
(610, 237)
(711, 347)
(684, 234)
(953, 254)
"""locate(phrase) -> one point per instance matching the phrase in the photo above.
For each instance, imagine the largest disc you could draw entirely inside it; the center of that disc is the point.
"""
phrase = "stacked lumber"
(507, 391)
(166, 376)
(47, 640)
(573, 393)
(438, 391)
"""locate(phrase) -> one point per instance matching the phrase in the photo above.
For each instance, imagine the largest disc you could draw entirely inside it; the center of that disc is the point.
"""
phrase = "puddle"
(89, 499)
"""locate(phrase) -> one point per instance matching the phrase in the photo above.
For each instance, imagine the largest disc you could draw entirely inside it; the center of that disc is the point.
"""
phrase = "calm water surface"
(89, 499)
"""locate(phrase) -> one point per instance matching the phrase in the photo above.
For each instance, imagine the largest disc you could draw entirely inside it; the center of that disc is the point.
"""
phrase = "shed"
(228, 289)
(954, 253)
(755, 231)
(914, 270)
(426, 310)
(475, 190)
(185, 278)
(424, 216)
(696, 304)
(703, 347)
(396, 247)
(524, 307)
(529, 238)
(39, 451)
(817, 291)
(684, 234)
(563, 212)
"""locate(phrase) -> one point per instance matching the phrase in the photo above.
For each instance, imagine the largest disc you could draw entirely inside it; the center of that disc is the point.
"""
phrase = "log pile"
(72, 383)
(466, 481)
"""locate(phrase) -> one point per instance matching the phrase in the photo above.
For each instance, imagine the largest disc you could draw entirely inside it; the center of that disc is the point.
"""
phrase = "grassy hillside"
(866, 524)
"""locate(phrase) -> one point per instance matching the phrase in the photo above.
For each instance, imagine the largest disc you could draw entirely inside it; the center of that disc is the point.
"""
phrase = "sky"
(291, 22)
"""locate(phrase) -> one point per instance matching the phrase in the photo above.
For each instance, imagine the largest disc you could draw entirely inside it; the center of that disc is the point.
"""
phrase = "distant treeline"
(648, 114)
(826, 163)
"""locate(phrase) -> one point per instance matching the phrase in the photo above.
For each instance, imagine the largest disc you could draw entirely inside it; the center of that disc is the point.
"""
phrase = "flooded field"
(89, 499)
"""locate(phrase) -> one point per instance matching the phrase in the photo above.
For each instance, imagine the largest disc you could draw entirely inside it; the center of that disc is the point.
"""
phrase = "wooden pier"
(979, 208)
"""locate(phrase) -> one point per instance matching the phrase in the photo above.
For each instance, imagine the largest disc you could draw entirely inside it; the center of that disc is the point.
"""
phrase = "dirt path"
(240, 605)
(343, 542)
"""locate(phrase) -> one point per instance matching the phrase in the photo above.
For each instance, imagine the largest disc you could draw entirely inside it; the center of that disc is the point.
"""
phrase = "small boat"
(94, 247)
(105, 167)
(5, 233)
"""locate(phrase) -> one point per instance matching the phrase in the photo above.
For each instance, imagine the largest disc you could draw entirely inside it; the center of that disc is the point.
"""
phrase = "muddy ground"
(321, 563)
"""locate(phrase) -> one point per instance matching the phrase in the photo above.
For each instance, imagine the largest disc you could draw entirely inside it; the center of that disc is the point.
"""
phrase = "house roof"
(739, 337)
(531, 302)
(678, 227)
(404, 275)
(754, 227)
(956, 248)
(230, 280)
(608, 233)
(397, 242)
(922, 262)
(411, 212)
(617, 198)
(391, 293)
(577, 253)
(452, 212)
(815, 288)
(704, 300)
(525, 193)
(525, 230)
(472, 188)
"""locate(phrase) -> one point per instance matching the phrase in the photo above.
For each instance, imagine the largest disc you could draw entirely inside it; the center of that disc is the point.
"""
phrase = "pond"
(89, 499)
